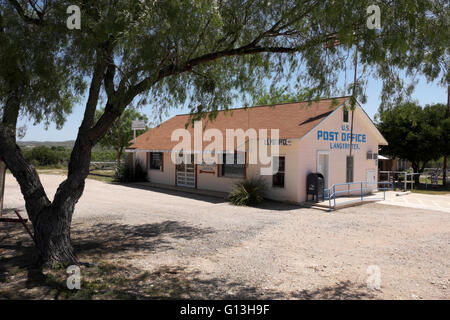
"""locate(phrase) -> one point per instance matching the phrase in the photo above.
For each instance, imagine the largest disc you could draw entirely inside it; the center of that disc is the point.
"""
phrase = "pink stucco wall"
(310, 146)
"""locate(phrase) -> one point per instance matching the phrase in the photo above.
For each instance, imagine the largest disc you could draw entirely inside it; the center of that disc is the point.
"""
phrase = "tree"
(120, 133)
(209, 54)
(44, 156)
(280, 95)
(415, 134)
(39, 84)
(446, 127)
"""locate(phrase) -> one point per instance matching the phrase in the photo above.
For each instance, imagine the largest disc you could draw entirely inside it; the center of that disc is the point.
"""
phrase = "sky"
(425, 93)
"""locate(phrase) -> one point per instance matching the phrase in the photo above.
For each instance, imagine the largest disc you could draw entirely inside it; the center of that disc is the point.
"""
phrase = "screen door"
(323, 165)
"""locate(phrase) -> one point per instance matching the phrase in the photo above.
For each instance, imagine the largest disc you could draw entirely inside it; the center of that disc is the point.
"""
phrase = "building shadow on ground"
(193, 194)
(217, 198)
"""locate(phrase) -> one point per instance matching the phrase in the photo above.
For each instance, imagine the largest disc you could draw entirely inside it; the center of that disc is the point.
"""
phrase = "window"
(156, 159)
(236, 169)
(349, 177)
(345, 115)
(278, 178)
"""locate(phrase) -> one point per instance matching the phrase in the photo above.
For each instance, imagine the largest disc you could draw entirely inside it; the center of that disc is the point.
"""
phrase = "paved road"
(420, 201)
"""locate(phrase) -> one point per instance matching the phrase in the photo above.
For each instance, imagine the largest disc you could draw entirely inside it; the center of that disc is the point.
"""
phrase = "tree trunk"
(52, 224)
(447, 114)
(417, 179)
(418, 169)
(415, 167)
(444, 173)
(52, 236)
(119, 149)
(52, 220)
(119, 156)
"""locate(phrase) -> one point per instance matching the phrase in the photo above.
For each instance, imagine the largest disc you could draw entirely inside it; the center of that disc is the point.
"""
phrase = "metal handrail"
(330, 193)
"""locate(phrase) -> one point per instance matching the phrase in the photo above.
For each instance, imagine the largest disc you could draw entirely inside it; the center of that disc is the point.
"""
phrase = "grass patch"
(106, 176)
(104, 280)
(436, 192)
(427, 180)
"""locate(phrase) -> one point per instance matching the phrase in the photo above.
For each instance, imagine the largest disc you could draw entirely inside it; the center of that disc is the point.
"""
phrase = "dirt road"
(277, 251)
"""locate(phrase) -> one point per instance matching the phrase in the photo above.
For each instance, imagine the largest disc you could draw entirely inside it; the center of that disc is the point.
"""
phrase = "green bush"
(125, 173)
(45, 156)
(103, 155)
(248, 192)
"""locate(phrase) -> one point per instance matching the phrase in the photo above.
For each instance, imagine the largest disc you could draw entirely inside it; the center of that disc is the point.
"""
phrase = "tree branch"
(30, 185)
(24, 16)
(94, 92)
(109, 78)
(174, 69)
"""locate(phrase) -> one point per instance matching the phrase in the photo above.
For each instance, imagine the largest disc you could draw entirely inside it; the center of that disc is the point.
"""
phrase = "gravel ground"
(276, 251)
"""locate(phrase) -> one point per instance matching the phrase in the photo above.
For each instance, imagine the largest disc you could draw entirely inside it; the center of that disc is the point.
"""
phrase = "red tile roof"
(293, 120)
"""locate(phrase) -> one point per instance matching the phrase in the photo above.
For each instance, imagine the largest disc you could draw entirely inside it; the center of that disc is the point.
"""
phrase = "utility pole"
(353, 101)
(352, 109)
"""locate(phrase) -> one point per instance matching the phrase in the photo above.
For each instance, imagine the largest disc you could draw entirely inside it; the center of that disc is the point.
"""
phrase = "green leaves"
(248, 192)
(415, 134)
(120, 134)
(36, 68)
(218, 54)
(281, 95)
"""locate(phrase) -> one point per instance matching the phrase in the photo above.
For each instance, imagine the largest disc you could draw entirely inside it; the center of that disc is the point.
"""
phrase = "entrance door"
(323, 165)
(186, 174)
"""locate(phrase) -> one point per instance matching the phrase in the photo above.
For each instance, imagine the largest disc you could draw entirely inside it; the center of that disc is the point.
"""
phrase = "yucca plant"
(248, 192)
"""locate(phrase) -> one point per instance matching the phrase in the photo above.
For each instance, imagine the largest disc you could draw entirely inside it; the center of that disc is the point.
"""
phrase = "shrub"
(248, 192)
(103, 155)
(125, 173)
(44, 156)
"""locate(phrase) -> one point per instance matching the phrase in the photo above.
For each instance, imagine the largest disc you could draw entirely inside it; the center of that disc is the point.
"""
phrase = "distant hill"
(66, 144)
(30, 144)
